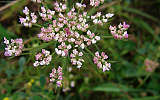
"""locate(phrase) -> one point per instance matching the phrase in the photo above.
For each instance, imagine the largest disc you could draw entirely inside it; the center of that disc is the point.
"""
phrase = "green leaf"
(111, 87)
(21, 63)
(138, 12)
(9, 72)
(36, 98)
(5, 33)
(142, 24)
(148, 98)
(3, 64)
(42, 81)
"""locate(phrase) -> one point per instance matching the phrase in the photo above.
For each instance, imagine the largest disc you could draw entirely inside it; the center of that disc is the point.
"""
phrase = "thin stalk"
(107, 36)
(37, 25)
(89, 52)
(58, 93)
(97, 47)
(39, 47)
(31, 39)
(25, 54)
(91, 68)
(145, 79)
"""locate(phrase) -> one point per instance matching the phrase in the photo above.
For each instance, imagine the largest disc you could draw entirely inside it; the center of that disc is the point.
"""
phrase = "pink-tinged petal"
(126, 26)
(97, 54)
(7, 53)
(126, 36)
(6, 41)
(59, 83)
(95, 59)
(99, 65)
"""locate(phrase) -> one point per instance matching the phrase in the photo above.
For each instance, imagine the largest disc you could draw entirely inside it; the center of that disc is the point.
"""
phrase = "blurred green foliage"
(128, 79)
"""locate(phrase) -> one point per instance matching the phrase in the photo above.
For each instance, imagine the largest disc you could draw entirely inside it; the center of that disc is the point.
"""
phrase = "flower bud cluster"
(119, 32)
(30, 19)
(43, 58)
(63, 49)
(46, 14)
(76, 58)
(92, 39)
(60, 7)
(80, 6)
(56, 75)
(96, 2)
(37, 1)
(101, 19)
(101, 62)
(13, 47)
(46, 34)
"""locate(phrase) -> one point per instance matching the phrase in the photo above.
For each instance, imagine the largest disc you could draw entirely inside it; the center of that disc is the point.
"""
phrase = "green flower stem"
(113, 61)
(107, 36)
(26, 53)
(145, 79)
(91, 68)
(31, 39)
(97, 47)
(58, 94)
(37, 25)
(65, 67)
(53, 53)
(39, 47)
(89, 52)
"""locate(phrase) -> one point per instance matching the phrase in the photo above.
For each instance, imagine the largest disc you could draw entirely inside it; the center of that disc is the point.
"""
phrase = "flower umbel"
(13, 47)
(101, 19)
(119, 32)
(76, 58)
(43, 58)
(72, 30)
(30, 18)
(96, 2)
(56, 76)
(101, 62)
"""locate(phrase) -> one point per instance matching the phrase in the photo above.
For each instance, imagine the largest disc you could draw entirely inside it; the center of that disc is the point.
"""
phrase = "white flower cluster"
(101, 62)
(46, 14)
(13, 47)
(63, 49)
(120, 32)
(80, 6)
(57, 75)
(37, 1)
(76, 58)
(101, 19)
(30, 19)
(96, 2)
(43, 58)
(46, 34)
(91, 39)
(60, 7)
